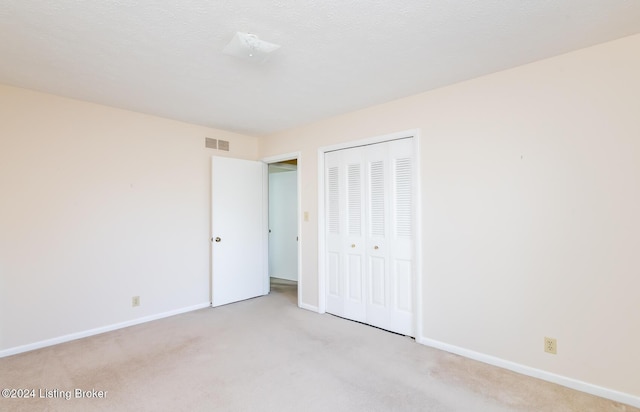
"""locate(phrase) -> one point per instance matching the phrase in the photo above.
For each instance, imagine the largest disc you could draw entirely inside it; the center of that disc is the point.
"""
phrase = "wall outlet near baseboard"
(135, 301)
(550, 345)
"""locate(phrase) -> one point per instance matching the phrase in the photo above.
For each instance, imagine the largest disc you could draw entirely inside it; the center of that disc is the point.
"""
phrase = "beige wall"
(530, 210)
(99, 205)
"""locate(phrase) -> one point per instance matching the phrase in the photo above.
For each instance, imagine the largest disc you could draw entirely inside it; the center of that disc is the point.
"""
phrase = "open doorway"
(283, 220)
(284, 233)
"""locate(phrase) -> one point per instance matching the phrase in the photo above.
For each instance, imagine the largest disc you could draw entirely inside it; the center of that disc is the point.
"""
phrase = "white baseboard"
(97, 331)
(536, 373)
(309, 307)
(289, 278)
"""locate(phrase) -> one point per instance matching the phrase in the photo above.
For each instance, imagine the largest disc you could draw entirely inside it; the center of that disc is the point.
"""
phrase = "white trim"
(97, 331)
(370, 140)
(415, 135)
(322, 295)
(266, 285)
(417, 215)
(281, 158)
(309, 307)
(276, 159)
(535, 373)
(299, 200)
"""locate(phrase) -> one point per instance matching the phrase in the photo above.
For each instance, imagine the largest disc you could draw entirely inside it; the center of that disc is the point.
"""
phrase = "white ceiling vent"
(249, 47)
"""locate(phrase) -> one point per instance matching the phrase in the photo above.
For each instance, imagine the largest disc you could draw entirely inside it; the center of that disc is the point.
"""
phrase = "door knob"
(218, 240)
(353, 245)
(376, 247)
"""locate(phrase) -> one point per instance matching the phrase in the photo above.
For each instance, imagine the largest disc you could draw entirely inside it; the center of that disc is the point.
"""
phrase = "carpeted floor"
(265, 354)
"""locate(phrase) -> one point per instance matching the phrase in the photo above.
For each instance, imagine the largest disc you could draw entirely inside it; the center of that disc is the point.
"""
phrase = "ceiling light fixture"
(249, 47)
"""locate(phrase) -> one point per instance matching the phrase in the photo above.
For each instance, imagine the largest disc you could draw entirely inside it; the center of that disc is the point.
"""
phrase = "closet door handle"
(218, 240)
(353, 245)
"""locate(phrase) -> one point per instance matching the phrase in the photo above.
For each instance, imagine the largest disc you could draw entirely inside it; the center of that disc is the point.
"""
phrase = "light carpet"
(265, 354)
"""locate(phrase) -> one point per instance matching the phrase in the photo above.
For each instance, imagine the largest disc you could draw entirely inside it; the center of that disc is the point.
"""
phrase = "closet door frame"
(414, 134)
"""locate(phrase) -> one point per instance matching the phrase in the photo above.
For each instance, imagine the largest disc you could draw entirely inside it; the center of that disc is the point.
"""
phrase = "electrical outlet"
(135, 301)
(550, 345)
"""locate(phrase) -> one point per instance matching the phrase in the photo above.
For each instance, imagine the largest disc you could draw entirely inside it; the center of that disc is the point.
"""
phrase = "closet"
(369, 235)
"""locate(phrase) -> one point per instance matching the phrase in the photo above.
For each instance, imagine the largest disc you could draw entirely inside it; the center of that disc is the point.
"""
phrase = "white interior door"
(238, 230)
(334, 199)
(402, 237)
(377, 231)
(345, 238)
(369, 205)
(390, 239)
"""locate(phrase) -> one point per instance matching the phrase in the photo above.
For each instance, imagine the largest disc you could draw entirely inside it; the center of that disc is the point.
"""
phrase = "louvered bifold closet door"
(369, 205)
(402, 238)
(390, 241)
(345, 237)
(377, 256)
(354, 240)
(334, 232)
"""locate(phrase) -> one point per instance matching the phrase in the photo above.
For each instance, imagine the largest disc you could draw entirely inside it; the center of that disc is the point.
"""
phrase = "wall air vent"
(210, 143)
(223, 145)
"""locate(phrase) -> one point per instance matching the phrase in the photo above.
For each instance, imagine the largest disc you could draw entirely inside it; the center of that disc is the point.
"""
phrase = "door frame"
(414, 134)
(281, 158)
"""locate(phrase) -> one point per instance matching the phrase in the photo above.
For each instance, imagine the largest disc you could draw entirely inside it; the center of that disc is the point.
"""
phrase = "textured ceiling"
(164, 57)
